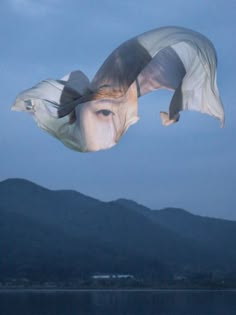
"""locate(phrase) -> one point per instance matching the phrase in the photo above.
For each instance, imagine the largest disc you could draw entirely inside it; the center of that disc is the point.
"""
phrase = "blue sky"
(191, 164)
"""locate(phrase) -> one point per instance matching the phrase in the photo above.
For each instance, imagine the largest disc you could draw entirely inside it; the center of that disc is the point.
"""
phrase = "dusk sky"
(191, 164)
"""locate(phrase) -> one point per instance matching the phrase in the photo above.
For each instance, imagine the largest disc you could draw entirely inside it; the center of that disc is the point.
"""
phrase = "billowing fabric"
(91, 116)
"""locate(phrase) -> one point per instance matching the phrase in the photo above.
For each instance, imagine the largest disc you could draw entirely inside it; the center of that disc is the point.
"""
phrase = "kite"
(90, 116)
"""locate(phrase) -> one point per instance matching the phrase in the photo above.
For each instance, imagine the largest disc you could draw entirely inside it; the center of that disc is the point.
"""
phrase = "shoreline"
(51, 289)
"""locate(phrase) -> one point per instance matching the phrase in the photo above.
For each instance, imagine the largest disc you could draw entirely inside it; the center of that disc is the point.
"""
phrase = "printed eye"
(104, 112)
(28, 105)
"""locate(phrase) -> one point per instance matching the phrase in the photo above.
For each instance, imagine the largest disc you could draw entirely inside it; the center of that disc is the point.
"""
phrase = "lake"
(158, 302)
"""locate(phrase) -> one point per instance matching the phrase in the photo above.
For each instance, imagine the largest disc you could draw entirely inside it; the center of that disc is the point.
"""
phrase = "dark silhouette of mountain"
(130, 204)
(216, 235)
(63, 234)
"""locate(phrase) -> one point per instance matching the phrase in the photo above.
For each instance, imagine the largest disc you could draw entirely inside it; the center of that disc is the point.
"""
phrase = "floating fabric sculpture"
(90, 116)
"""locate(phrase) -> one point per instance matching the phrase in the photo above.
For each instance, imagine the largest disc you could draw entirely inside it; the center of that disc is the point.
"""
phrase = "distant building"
(180, 278)
(112, 276)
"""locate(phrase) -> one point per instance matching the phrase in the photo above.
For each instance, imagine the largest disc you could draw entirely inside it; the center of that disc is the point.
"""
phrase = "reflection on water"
(118, 302)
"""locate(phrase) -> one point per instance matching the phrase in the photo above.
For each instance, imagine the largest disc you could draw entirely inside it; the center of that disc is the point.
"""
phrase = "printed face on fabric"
(91, 116)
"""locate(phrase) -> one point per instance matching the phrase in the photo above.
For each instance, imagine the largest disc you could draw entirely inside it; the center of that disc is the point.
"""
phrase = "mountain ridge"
(117, 236)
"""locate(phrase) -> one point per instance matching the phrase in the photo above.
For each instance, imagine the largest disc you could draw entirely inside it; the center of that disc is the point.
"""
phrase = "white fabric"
(199, 88)
(93, 116)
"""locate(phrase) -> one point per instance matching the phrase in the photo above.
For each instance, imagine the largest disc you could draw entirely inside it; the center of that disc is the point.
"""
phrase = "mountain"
(212, 233)
(130, 204)
(217, 234)
(63, 234)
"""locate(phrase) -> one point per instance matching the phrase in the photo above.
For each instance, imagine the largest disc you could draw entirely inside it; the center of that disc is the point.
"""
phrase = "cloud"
(33, 8)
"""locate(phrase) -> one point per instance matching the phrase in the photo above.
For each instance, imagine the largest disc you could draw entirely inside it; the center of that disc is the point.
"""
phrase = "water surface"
(163, 302)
